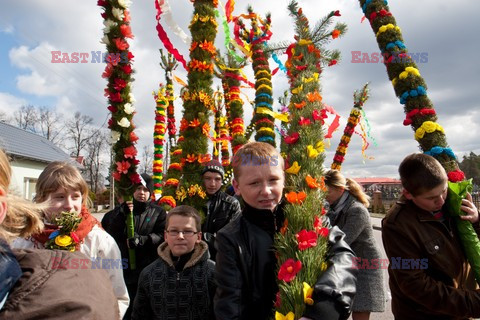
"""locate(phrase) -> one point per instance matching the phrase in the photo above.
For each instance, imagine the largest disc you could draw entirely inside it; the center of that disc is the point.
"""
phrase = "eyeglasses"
(187, 234)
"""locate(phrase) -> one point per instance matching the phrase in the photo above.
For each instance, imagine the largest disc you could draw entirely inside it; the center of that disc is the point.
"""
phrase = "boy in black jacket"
(246, 262)
(179, 284)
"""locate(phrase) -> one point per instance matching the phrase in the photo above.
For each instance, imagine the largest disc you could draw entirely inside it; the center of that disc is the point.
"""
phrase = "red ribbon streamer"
(165, 40)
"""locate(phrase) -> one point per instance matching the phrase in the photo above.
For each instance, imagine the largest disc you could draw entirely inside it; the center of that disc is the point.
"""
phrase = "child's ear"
(199, 237)
(407, 194)
(235, 187)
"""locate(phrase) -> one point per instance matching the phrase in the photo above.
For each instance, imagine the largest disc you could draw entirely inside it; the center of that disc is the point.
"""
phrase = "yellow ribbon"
(279, 116)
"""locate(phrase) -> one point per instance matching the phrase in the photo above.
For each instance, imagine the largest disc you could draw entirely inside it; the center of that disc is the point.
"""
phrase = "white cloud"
(10, 103)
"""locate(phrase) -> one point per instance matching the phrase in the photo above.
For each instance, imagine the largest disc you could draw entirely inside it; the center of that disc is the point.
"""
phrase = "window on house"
(29, 188)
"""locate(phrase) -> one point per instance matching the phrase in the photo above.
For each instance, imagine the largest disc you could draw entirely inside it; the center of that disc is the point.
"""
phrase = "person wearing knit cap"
(220, 208)
(149, 224)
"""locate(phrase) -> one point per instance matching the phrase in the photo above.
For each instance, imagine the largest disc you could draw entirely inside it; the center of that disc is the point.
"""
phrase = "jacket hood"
(198, 254)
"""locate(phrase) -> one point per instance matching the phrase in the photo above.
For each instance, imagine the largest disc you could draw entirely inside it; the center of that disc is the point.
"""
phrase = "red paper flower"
(112, 109)
(135, 178)
(319, 115)
(133, 136)
(117, 175)
(123, 166)
(304, 121)
(336, 13)
(278, 300)
(126, 16)
(121, 44)
(289, 270)
(126, 31)
(101, 3)
(130, 55)
(332, 62)
(108, 71)
(291, 139)
(119, 84)
(456, 176)
(306, 239)
(127, 69)
(323, 232)
(130, 152)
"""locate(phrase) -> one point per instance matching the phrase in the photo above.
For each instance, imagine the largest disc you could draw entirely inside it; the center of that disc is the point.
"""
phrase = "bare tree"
(146, 165)
(96, 159)
(77, 131)
(26, 118)
(50, 124)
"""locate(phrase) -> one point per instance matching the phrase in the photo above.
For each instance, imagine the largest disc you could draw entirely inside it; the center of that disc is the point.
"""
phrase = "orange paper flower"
(296, 198)
(195, 123)
(191, 158)
(314, 96)
(283, 229)
(312, 183)
(335, 33)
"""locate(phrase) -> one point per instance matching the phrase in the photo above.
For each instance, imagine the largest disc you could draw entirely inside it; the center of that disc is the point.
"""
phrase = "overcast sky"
(446, 32)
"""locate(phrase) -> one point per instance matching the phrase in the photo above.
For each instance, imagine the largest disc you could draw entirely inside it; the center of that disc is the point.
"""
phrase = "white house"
(29, 154)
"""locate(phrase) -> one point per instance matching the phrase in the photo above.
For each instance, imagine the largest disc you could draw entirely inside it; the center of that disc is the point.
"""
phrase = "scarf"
(83, 229)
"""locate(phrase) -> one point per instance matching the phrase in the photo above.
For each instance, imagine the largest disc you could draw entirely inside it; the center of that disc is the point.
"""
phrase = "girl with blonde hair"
(348, 211)
(62, 188)
(31, 286)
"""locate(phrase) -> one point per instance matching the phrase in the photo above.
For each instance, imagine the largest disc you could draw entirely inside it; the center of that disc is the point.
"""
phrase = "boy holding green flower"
(246, 260)
(418, 228)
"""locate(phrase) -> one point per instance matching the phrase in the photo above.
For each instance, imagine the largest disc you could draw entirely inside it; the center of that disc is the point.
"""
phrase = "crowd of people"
(224, 267)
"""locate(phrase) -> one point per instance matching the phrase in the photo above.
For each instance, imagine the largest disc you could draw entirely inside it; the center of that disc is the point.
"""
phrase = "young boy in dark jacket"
(430, 277)
(180, 283)
(246, 261)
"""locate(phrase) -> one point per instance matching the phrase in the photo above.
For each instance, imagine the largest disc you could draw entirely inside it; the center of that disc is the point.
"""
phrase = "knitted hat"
(213, 166)
(147, 181)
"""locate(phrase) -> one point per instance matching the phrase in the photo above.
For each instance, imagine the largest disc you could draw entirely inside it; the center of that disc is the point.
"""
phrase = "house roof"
(377, 180)
(21, 143)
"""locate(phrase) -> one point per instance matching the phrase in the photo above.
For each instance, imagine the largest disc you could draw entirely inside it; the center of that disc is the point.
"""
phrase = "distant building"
(29, 154)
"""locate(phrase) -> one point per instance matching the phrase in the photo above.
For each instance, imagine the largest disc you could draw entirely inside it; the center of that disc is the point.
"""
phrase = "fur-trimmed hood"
(198, 254)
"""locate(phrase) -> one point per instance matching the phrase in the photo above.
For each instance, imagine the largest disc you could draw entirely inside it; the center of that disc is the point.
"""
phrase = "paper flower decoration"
(289, 270)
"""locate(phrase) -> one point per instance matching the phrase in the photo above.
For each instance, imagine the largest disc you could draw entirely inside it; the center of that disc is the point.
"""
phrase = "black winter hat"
(147, 181)
(214, 166)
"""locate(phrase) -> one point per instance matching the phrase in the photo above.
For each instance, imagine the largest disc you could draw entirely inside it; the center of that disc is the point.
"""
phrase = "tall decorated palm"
(118, 72)
(359, 98)
(169, 63)
(302, 243)
(255, 39)
(159, 132)
(411, 89)
(197, 103)
(174, 169)
(229, 72)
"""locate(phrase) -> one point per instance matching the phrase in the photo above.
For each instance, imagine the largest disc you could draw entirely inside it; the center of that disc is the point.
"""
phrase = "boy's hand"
(471, 212)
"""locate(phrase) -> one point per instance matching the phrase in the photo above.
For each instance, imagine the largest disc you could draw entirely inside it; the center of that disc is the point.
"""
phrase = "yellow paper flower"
(429, 126)
(312, 152)
(288, 316)
(307, 294)
(294, 168)
(63, 241)
(320, 146)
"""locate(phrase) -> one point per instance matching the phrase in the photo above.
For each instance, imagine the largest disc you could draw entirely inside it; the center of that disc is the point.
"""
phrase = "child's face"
(63, 200)
(260, 186)
(432, 200)
(181, 243)
(212, 182)
(141, 194)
